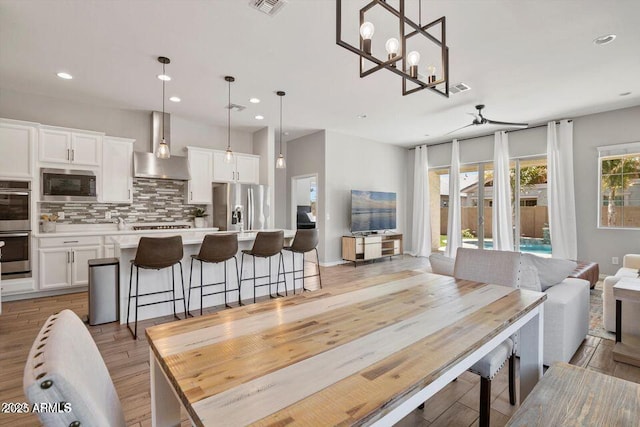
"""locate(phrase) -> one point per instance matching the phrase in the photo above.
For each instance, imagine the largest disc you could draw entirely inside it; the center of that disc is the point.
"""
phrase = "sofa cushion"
(551, 271)
(441, 264)
(496, 267)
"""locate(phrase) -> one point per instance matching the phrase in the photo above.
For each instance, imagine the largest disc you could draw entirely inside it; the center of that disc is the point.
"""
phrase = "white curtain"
(501, 212)
(454, 227)
(561, 196)
(421, 239)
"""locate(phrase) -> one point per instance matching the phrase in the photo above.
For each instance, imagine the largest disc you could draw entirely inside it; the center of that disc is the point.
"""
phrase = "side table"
(627, 289)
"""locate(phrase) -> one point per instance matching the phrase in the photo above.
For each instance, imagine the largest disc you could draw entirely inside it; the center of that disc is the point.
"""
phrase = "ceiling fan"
(479, 119)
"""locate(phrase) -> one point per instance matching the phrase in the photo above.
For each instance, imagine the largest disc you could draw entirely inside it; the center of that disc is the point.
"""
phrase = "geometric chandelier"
(403, 56)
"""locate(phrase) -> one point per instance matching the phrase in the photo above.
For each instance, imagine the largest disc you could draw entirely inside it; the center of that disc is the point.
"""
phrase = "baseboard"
(41, 294)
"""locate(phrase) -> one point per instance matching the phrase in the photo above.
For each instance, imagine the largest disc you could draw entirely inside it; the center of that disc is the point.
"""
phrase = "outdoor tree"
(617, 175)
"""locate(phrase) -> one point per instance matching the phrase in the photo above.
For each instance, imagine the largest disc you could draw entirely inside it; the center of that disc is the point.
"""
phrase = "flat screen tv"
(372, 211)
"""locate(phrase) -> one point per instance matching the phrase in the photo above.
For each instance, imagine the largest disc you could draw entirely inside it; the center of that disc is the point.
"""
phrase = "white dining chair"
(65, 372)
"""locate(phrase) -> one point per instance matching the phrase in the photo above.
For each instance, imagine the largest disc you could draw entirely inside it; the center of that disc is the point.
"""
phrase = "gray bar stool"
(216, 248)
(266, 245)
(156, 253)
(304, 241)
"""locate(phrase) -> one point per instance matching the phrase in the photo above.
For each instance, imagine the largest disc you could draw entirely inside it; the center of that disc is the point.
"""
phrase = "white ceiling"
(528, 61)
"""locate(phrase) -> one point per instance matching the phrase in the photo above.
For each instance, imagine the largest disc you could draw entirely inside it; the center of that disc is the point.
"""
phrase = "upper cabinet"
(201, 170)
(244, 168)
(117, 170)
(69, 146)
(17, 143)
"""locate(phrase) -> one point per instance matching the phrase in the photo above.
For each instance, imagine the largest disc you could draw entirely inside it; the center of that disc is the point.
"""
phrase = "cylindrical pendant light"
(163, 151)
(228, 155)
(280, 162)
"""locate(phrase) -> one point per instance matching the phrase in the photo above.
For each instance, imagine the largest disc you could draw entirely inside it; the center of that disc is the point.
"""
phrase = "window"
(530, 219)
(619, 199)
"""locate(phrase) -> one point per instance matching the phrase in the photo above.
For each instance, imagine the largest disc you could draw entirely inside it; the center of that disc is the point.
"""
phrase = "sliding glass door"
(528, 207)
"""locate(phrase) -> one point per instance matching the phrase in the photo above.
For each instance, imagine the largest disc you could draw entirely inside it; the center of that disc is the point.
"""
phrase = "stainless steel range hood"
(147, 165)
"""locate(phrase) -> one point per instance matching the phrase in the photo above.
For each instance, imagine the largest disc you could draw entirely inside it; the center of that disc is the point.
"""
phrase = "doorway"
(304, 201)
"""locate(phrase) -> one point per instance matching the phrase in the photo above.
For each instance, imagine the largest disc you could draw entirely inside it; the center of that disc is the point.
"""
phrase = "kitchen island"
(124, 248)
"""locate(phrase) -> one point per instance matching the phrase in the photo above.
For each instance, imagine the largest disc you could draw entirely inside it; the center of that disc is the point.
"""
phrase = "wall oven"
(65, 185)
(15, 228)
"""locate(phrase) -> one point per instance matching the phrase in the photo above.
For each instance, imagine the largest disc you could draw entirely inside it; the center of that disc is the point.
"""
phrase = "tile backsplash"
(154, 200)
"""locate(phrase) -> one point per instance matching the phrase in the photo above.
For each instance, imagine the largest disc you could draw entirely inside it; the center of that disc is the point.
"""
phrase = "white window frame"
(609, 151)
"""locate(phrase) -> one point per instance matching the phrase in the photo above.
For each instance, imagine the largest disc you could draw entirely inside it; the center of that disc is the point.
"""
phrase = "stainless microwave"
(65, 185)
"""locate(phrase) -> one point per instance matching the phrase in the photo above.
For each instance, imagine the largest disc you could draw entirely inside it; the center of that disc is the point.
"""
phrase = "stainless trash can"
(104, 290)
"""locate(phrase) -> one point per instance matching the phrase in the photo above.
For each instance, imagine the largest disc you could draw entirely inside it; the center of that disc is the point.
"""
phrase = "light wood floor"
(128, 360)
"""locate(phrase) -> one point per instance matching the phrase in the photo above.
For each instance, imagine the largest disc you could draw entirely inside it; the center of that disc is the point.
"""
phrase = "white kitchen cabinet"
(244, 168)
(63, 260)
(117, 170)
(201, 170)
(17, 142)
(223, 171)
(247, 169)
(69, 146)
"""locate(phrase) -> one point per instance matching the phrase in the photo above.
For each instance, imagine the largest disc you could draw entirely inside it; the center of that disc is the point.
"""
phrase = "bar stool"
(216, 248)
(304, 241)
(156, 253)
(266, 245)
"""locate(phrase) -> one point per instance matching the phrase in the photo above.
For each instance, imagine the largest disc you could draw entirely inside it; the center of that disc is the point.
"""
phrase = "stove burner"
(160, 227)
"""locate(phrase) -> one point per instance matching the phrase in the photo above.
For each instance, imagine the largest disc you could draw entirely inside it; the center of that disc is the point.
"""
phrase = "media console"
(370, 247)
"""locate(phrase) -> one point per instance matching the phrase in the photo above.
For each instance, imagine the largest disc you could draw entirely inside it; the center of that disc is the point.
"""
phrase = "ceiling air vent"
(459, 87)
(270, 7)
(235, 107)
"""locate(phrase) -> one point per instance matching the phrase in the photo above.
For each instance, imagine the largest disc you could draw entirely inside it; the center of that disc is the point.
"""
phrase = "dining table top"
(343, 355)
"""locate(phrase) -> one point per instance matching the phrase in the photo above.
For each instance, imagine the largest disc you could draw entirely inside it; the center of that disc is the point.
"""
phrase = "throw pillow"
(551, 271)
(441, 264)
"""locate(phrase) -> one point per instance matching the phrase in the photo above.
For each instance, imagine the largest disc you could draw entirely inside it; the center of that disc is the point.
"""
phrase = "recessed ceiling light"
(64, 75)
(175, 99)
(254, 101)
(164, 77)
(286, 133)
(426, 134)
(625, 94)
(259, 117)
(362, 116)
(606, 39)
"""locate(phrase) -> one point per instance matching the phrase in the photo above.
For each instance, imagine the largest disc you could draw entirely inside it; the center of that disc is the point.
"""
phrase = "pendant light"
(163, 151)
(280, 162)
(228, 155)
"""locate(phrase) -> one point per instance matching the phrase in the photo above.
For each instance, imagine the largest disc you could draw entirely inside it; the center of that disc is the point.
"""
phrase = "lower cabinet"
(63, 262)
(364, 248)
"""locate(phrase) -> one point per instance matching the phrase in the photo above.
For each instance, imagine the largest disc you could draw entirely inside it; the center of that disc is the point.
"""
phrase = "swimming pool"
(541, 249)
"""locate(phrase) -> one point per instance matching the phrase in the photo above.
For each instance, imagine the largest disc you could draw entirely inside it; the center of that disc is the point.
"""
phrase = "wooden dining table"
(367, 353)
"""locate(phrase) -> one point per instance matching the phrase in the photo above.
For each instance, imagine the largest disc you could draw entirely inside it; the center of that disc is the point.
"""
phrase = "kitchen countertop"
(189, 236)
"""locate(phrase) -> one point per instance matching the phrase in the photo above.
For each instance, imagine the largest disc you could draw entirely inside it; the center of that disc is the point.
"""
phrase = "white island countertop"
(189, 236)
(77, 230)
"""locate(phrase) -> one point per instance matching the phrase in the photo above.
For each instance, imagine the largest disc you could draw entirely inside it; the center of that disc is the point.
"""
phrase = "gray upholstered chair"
(504, 270)
(65, 367)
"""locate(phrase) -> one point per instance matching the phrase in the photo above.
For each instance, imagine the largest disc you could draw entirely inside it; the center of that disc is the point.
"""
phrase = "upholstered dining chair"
(64, 367)
(471, 265)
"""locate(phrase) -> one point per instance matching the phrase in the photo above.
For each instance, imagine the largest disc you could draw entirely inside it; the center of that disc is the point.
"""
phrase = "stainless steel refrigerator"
(241, 207)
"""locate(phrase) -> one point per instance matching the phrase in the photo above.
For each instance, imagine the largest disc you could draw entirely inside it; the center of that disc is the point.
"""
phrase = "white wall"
(118, 122)
(263, 144)
(589, 132)
(354, 163)
(305, 156)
